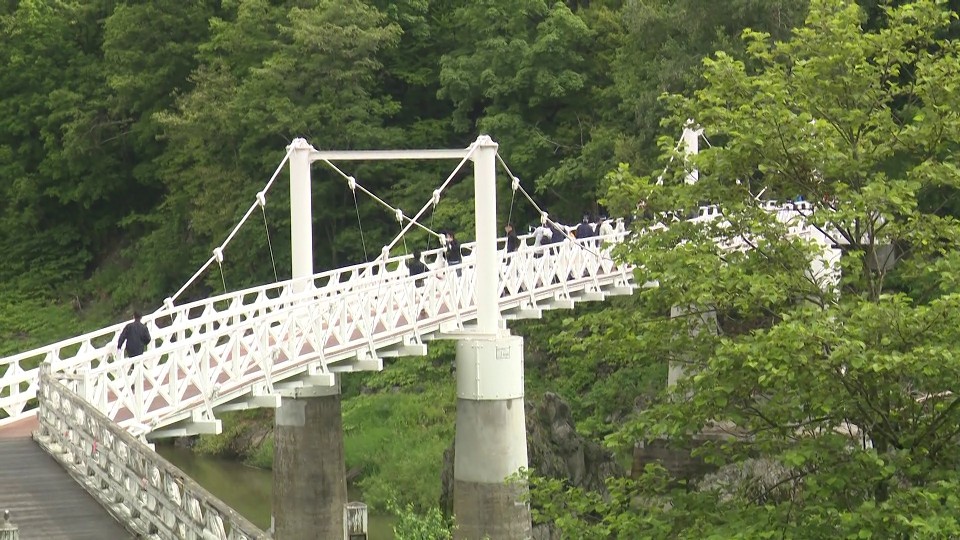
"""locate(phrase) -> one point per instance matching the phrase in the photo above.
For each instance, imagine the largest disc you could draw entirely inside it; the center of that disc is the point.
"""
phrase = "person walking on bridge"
(451, 251)
(416, 266)
(513, 241)
(135, 335)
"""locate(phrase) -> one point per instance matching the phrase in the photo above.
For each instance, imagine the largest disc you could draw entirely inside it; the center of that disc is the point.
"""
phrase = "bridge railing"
(247, 348)
(180, 331)
(142, 490)
(19, 375)
(182, 323)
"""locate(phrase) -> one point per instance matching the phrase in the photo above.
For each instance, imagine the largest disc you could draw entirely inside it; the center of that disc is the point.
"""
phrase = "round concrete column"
(491, 440)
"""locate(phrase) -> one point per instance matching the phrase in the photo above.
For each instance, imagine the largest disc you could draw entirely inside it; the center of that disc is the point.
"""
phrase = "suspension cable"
(514, 184)
(353, 184)
(218, 253)
(672, 156)
(260, 195)
(400, 217)
(273, 260)
(433, 218)
(436, 197)
(544, 217)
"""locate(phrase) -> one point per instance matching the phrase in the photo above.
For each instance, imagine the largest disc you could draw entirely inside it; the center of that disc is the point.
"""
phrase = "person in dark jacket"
(513, 241)
(452, 250)
(135, 335)
(416, 266)
(585, 229)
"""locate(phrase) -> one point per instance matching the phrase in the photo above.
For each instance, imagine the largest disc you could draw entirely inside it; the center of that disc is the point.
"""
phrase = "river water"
(248, 490)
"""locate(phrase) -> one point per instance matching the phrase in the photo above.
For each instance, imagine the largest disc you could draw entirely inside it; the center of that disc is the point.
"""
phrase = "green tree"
(532, 74)
(271, 73)
(664, 44)
(838, 400)
(54, 193)
(414, 526)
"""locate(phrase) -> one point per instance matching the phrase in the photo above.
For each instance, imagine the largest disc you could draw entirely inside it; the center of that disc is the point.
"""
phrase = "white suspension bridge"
(237, 349)
(290, 340)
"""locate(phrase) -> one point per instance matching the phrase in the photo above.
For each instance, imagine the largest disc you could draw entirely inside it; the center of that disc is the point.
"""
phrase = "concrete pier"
(309, 478)
(491, 440)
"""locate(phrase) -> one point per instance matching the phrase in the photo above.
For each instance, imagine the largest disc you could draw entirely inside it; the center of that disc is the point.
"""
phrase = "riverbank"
(249, 490)
(396, 424)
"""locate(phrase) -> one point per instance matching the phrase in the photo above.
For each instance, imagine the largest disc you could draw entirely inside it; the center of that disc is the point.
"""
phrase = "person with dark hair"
(135, 335)
(513, 241)
(451, 251)
(585, 228)
(416, 266)
(558, 233)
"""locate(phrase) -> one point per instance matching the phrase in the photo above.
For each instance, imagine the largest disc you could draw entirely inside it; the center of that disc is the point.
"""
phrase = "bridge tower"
(491, 444)
(309, 476)
(491, 436)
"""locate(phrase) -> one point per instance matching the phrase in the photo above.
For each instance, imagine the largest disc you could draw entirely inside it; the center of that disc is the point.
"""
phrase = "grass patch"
(397, 439)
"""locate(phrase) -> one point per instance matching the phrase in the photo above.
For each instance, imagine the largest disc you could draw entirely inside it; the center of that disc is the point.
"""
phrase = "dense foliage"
(134, 135)
(830, 405)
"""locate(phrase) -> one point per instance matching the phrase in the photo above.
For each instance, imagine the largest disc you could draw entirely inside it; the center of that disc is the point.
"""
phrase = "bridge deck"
(44, 501)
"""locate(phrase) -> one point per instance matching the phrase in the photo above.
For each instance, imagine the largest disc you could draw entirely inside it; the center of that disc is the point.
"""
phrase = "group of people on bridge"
(546, 234)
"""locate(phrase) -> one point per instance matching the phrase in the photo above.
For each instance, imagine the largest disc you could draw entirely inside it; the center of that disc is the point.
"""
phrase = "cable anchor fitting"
(352, 183)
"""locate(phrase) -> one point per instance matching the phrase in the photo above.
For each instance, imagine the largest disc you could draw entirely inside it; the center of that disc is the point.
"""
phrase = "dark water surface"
(246, 489)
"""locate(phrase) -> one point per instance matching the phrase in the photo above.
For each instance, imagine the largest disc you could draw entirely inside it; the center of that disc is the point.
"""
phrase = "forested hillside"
(134, 135)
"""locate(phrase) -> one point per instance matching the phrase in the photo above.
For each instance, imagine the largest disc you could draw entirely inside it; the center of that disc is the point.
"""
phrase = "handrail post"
(355, 521)
(8, 530)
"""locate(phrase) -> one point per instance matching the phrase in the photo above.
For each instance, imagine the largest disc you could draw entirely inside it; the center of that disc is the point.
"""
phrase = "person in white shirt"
(541, 235)
(606, 226)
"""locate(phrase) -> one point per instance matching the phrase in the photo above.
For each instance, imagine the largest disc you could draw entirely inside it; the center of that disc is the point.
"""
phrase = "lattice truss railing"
(824, 269)
(134, 483)
(211, 352)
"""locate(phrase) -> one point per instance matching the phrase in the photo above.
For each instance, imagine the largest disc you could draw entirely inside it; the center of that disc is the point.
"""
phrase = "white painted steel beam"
(268, 401)
(320, 379)
(301, 212)
(188, 428)
(380, 155)
(487, 277)
(412, 349)
(524, 314)
(618, 291)
(357, 364)
(558, 303)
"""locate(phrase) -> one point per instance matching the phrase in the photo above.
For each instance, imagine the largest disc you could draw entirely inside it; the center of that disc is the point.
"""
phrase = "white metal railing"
(10, 531)
(216, 350)
(135, 484)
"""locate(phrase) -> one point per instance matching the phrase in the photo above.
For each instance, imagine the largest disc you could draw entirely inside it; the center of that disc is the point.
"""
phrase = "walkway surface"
(44, 501)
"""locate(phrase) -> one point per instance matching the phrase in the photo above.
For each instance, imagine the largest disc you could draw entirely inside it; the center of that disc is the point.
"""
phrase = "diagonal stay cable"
(433, 200)
(354, 185)
(260, 198)
(363, 240)
(273, 259)
(543, 215)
